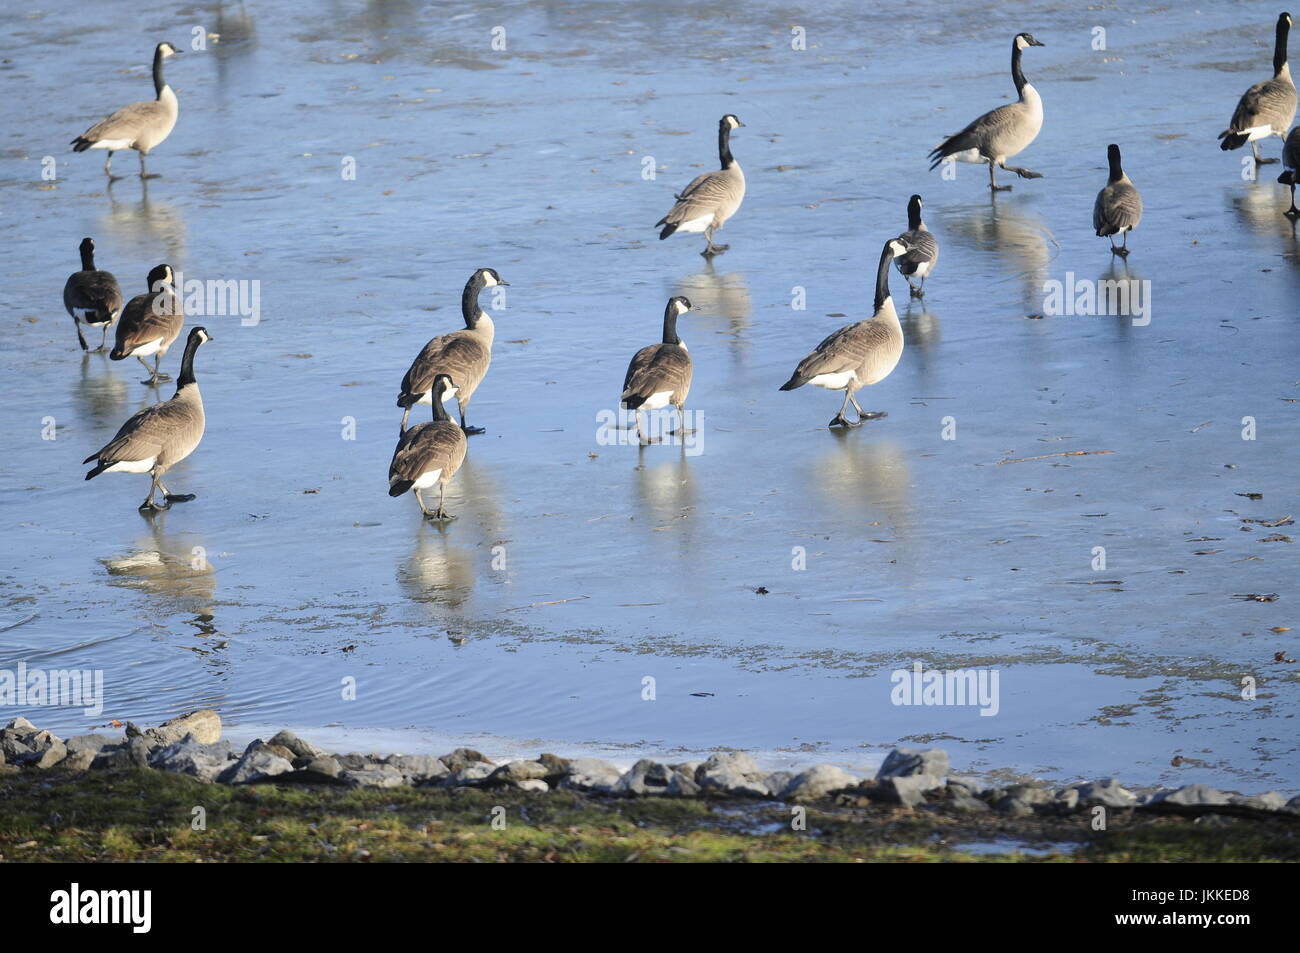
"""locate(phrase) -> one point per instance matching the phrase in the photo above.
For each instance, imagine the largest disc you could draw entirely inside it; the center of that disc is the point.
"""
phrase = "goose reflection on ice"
(173, 569)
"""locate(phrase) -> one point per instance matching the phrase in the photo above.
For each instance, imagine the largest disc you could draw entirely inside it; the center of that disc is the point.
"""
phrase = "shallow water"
(622, 563)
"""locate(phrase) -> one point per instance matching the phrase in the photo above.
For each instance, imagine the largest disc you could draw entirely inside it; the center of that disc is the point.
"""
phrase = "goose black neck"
(1279, 48)
(1017, 74)
(469, 308)
(724, 145)
(670, 325)
(913, 215)
(439, 409)
(158, 81)
(1116, 169)
(87, 258)
(187, 364)
(882, 277)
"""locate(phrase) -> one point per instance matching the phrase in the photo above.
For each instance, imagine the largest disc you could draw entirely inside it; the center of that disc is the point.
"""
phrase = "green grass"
(147, 815)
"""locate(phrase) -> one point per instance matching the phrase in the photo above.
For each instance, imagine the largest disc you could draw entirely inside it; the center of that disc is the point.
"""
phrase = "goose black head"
(680, 304)
(489, 278)
(87, 246)
(898, 248)
(442, 383)
(199, 336)
(165, 49)
(161, 277)
(730, 121)
(1026, 39)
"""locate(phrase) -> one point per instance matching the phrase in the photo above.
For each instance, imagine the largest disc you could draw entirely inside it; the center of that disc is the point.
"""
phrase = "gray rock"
(418, 768)
(1031, 794)
(190, 757)
(352, 761)
(556, 767)
(733, 783)
(47, 757)
(1269, 801)
(256, 765)
(778, 781)
(323, 770)
(962, 801)
(204, 725)
(646, 778)
(21, 725)
(473, 775)
(533, 784)
(737, 761)
(906, 762)
(92, 743)
(688, 768)
(461, 757)
(1014, 807)
(375, 776)
(300, 747)
(1066, 800)
(1293, 805)
(1106, 793)
(909, 789)
(132, 753)
(513, 771)
(682, 784)
(592, 774)
(12, 744)
(818, 781)
(1191, 795)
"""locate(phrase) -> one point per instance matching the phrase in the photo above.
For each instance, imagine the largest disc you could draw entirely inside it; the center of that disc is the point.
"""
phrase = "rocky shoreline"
(192, 745)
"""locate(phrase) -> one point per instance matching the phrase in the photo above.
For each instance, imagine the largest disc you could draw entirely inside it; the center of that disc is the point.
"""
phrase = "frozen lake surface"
(576, 570)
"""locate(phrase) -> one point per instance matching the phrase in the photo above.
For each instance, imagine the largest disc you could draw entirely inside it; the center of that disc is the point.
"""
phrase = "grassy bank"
(147, 816)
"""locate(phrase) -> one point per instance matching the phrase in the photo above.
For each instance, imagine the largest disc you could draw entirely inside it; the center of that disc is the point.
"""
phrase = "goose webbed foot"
(1121, 251)
(872, 415)
(471, 431)
(1292, 213)
(1263, 160)
(1000, 188)
(438, 516)
(179, 497)
(915, 291)
(712, 250)
(155, 381)
(1024, 173)
(842, 421)
(149, 506)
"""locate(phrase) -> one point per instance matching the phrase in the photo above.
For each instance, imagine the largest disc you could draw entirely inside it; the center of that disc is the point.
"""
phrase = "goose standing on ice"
(464, 355)
(159, 437)
(1118, 208)
(711, 198)
(660, 374)
(1267, 108)
(92, 296)
(150, 323)
(1001, 133)
(922, 249)
(1291, 169)
(139, 126)
(858, 355)
(429, 453)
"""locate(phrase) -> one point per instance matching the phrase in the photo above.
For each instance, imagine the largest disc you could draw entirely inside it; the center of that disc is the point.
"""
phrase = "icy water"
(577, 570)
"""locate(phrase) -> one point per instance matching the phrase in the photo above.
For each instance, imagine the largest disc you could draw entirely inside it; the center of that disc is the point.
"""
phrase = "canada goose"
(1291, 168)
(92, 297)
(860, 354)
(660, 374)
(1003, 132)
(1119, 206)
(922, 249)
(150, 323)
(464, 355)
(1267, 108)
(711, 198)
(139, 126)
(159, 437)
(429, 453)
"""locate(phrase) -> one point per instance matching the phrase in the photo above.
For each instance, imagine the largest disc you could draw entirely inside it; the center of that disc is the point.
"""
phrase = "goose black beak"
(1037, 43)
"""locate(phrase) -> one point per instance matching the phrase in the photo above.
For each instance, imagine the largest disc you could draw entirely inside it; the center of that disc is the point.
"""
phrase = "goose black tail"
(80, 145)
(1287, 178)
(794, 381)
(1232, 140)
(668, 230)
(397, 489)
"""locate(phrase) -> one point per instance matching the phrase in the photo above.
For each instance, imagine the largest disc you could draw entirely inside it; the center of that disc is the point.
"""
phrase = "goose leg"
(1123, 250)
(914, 291)
(81, 339)
(171, 497)
(641, 434)
(469, 431)
(1259, 159)
(1292, 213)
(144, 173)
(406, 414)
(993, 182)
(681, 430)
(864, 415)
(711, 249)
(108, 165)
(839, 419)
(103, 340)
(441, 512)
(1023, 173)
(149, 503)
